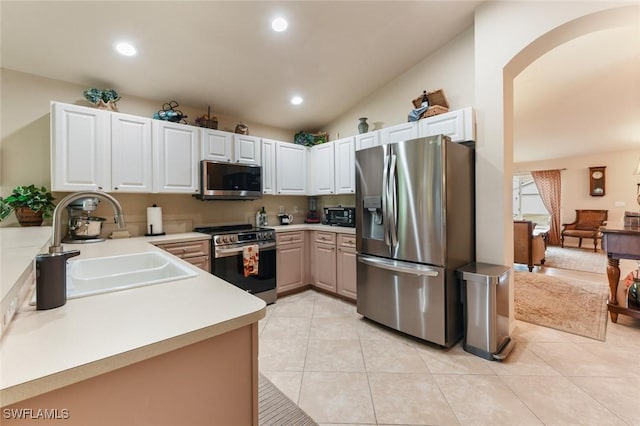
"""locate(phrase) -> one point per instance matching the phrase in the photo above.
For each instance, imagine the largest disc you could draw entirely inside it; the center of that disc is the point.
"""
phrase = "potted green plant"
(30, 204)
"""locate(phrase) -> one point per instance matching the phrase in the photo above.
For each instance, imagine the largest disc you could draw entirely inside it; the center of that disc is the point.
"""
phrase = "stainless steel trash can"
(485, 299)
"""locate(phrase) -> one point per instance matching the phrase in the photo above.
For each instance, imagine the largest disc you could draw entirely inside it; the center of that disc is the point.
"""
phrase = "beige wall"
(620, 184)
(450, 68)
(25, 156)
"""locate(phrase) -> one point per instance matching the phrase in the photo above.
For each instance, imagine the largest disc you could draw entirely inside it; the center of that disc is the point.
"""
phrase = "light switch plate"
(620, 204)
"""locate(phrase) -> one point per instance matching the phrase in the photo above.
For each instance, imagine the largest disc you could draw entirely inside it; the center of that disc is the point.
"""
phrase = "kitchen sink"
(87, 277)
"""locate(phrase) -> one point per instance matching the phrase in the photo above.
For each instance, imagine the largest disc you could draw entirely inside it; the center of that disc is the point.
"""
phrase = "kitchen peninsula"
(180, 352)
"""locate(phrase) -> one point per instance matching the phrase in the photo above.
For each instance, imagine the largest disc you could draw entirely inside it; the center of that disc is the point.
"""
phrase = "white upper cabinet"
(322, 169)
(367, 140)
(459, 125)
(175, 157)
(291, 169)
(216, 145)
(131, 162)
(246, 149)
(345, 172)
(228, 147)
(399, 133)
(80, 148)
(269, 166)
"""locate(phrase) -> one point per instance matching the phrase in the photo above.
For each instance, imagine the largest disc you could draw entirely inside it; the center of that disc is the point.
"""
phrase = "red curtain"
(548, 184)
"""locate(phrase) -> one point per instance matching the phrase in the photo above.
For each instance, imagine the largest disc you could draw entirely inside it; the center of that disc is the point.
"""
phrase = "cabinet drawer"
(187, 249)
(289, 237)
(345, 240)
(325, 237)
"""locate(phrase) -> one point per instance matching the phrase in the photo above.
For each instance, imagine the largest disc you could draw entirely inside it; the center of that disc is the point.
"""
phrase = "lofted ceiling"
(582, 97)
(224, 53)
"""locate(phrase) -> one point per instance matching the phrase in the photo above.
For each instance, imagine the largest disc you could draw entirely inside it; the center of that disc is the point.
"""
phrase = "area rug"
(275, 409)
(576, 259)
(570, 305)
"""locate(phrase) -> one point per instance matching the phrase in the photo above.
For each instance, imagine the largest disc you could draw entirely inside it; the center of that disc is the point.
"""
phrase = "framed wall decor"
(596, 181)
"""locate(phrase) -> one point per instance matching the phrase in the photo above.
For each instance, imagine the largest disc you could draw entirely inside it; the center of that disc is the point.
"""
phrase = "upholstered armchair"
(527, 248)
(587, 225)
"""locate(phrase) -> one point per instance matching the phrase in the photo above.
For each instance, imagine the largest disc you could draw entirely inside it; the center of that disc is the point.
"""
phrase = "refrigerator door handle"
(393, 195)
(385, 199)
(398, 266)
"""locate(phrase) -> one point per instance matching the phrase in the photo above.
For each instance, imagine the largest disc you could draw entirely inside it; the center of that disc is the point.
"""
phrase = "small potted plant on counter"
(30, 203)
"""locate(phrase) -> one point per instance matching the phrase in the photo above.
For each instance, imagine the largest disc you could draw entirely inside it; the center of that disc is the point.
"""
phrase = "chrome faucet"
(56, 246)
(51, 268)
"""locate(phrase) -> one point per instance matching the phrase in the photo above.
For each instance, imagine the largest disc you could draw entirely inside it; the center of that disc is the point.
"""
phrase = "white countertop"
(18, 247)
(45, 350)
(314, 227)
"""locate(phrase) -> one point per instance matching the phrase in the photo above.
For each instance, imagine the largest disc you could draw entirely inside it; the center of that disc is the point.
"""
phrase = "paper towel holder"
(150, 227)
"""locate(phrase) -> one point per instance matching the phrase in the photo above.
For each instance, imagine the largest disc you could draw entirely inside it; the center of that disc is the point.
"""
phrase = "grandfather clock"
(596, 181)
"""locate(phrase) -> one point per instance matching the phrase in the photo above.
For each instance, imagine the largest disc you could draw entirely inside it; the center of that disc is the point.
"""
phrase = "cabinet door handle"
(115, 188)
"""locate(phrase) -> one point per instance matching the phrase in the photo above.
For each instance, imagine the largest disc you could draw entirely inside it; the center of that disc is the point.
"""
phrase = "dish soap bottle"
(258, 219)
(263, 217)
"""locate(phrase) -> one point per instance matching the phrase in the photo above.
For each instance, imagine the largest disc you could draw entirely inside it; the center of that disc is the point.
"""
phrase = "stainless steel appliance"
(414, 227)
(226, 181)
(340, 216)
(83, 227)
(227, 246)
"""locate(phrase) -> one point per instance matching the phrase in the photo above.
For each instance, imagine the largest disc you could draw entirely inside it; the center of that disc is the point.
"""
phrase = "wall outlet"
(295, 209)
(281, 209)
(620, 204)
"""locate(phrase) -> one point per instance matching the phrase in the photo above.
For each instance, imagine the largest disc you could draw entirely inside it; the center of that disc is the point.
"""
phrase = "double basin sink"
(87, 277)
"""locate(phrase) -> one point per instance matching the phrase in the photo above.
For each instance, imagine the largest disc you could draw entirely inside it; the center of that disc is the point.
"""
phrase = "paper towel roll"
(154, 220)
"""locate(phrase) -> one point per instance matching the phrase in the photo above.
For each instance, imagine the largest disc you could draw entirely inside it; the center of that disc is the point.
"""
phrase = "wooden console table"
(619, 243)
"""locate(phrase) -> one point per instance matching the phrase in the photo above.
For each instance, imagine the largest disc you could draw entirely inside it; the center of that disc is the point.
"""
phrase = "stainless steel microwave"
(340, 216)
(225, 181)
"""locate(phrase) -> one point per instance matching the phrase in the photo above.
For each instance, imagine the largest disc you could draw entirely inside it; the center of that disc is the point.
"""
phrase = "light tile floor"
(343, 369)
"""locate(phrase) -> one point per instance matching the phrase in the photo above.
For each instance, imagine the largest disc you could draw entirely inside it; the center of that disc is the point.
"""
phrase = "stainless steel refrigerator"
(415, 225)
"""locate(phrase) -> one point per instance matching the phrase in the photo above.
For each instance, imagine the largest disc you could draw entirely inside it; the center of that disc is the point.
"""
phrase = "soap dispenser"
(258, 219)
(51, 279)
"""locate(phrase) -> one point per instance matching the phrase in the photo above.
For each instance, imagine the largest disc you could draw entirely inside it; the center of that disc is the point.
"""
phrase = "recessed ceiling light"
(279, 24)
(124, 48)
(296, 100)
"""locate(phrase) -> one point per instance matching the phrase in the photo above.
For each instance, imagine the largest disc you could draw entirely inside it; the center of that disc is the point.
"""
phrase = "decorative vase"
(363, 126)
(633, 296)
(109, 105)
(27, 217)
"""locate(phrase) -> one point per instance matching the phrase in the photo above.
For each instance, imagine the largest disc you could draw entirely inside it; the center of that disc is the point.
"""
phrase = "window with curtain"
(527, 203)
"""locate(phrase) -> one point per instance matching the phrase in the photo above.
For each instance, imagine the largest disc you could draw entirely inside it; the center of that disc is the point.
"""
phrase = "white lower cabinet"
(197, 253)
(323, 255)
(459, 125)
(291, 261)
(176, 158)
(291, 169)
(346, 266)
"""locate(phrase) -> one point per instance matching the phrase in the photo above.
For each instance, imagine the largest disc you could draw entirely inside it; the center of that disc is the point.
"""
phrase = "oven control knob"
(234, 238)
(218, 240)
(225, 239)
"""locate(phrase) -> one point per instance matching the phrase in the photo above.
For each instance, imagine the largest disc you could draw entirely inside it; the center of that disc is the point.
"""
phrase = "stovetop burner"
(237, 234)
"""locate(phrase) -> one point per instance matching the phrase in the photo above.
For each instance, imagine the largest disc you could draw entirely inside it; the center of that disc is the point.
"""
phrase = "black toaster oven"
(340, 216)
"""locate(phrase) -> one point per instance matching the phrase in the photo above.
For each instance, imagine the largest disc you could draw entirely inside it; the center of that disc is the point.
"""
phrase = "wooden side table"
(619, 243)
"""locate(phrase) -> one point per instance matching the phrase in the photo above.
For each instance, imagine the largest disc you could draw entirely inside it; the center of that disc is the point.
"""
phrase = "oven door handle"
(225, 252)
